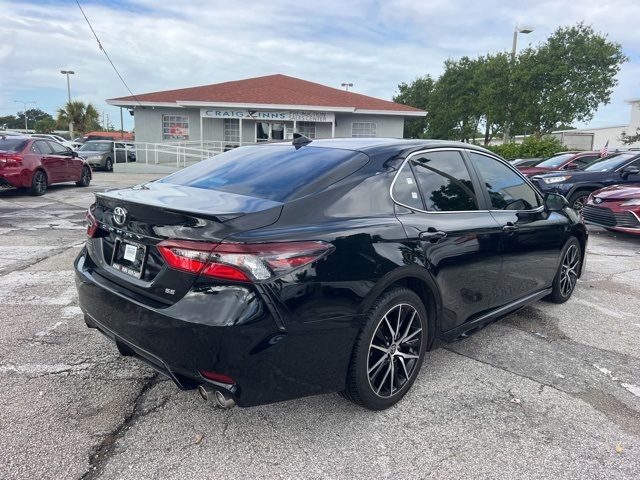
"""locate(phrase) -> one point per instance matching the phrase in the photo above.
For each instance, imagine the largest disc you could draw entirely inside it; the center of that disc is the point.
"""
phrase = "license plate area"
(129, 257)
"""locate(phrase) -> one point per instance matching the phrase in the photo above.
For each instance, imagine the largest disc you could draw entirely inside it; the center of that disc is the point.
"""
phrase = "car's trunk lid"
(134, 220)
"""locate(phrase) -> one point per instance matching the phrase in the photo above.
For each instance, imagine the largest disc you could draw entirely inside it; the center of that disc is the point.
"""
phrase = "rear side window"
(507, 190)
(41, 147)
(274, 172)
(405, 189)
(12, 145)
(444, 181)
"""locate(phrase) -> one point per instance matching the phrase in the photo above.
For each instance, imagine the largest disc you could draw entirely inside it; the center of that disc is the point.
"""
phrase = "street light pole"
(347, 85)
(514, 46)
(24, 109)
(67, 73)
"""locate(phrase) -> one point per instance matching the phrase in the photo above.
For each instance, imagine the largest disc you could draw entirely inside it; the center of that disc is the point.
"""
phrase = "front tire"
(38, 183)
(389, 351)
(579, 199)
(85, 177)
(566, 277)
(108, 165)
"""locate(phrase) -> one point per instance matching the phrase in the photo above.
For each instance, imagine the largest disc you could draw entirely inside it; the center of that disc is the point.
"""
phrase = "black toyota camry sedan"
(275, 271)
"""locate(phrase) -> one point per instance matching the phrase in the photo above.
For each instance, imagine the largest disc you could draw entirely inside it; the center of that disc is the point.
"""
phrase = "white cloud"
(375, 45)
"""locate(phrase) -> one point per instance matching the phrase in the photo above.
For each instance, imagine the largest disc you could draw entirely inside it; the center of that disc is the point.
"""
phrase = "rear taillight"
(11, 160)
(92, 224)
(241, 262)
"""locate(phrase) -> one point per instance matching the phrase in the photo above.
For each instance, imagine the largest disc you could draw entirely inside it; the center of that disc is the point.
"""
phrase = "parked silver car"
(102, 154)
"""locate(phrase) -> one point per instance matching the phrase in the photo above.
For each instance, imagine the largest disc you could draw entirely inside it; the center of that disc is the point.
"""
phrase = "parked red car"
(615, 208)
(35, 163)
(561, 161)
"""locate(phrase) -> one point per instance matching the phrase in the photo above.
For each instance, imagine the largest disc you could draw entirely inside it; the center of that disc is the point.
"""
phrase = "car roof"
(375, 145)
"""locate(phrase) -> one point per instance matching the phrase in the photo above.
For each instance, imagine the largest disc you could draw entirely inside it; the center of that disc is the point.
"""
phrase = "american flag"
(605, 150)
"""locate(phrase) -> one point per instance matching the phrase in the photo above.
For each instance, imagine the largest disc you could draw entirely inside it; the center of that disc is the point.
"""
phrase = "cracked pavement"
(551, 391)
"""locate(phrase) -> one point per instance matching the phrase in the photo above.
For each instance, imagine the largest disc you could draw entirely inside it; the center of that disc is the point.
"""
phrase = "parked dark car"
(561, 161)
(576, 186)
(275, 271)
(104, 153)
(615, 208)
(37, 163)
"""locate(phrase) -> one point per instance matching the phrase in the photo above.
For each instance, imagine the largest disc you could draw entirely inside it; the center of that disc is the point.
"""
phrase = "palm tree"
(84, 116)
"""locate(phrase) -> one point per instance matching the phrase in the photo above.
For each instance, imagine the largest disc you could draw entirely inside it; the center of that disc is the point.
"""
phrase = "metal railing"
(179, 154)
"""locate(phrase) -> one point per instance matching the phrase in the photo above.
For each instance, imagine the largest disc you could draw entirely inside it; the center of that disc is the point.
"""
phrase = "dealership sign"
(263, 115)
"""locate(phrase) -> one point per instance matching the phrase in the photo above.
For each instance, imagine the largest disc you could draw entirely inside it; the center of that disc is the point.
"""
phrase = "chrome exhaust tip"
(221, 399)
(224, 401)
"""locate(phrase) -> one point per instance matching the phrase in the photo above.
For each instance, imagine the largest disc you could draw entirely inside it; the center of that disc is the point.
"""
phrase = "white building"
(261, 109)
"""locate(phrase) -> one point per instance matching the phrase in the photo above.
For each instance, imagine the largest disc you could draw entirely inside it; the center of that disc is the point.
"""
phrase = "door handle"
(432, 235)
(509, 228)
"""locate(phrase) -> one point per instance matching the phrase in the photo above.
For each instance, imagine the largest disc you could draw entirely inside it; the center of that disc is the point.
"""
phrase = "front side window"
(232, 130)
(58, 149)
(175, 127)
(363, 129)
(308, 129)
(507, 190)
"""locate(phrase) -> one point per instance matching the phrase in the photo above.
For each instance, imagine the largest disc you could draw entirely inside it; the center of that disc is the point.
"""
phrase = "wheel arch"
(580, 232)
(589, 187)
(418, 280)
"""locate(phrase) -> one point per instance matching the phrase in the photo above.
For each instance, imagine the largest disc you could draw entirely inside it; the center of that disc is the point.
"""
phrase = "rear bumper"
(14, 177)
(268, 362)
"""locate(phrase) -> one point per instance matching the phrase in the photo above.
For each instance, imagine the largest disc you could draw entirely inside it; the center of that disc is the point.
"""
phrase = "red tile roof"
(271, 89)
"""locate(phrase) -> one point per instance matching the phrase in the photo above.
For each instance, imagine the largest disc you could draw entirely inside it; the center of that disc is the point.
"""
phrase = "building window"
(363, 129)
(232, 130)
(175, 127)
(308, 129)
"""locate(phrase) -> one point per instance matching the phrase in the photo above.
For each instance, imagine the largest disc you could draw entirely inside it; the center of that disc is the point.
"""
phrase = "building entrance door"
(266, 131)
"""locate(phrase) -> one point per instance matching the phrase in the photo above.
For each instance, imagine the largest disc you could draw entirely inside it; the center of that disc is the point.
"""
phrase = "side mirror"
(554, 202)
(74, 154)
(630, 170)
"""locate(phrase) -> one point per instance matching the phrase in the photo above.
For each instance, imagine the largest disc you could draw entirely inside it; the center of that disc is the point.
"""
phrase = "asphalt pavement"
(552, 391)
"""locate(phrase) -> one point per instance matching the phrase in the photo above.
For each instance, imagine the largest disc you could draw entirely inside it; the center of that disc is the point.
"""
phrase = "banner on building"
(264, 115)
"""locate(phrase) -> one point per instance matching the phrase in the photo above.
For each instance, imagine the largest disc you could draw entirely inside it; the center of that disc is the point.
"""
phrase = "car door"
(63, 154)
(531, 238)
(629, 177)
(450, 231)
(51, 163)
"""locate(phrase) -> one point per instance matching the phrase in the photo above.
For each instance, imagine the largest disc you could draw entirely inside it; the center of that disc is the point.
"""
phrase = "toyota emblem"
(119, 216)
(597, 200)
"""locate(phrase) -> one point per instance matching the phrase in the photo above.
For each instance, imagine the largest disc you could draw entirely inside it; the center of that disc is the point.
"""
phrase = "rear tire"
(108, 165)
(85, 177)
(38, 183)
(389, 351)
(578, 199)
(566, 277)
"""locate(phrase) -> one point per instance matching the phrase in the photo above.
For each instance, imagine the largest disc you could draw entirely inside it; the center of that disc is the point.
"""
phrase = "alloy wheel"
(394, 350)
(569, 271)
(40, 182)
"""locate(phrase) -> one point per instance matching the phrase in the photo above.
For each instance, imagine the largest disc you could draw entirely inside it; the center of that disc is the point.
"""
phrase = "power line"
(106, 54)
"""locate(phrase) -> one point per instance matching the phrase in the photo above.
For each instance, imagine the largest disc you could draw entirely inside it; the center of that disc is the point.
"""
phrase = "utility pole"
(514, 46)
(24, 105)
(67, 73)
(121, 125)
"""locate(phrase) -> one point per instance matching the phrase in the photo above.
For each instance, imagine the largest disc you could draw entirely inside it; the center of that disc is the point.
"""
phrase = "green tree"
(629, 139)
(84, 116)
(10, 122)
(45, 125)
(564, 80)
(416, 94)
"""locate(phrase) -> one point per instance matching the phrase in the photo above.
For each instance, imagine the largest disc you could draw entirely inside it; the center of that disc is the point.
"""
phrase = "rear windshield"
(12, 144)
(556, 160)
(273, 172)
(96, 146)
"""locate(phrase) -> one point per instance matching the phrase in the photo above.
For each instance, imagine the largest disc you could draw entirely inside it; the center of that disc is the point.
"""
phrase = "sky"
(160, 45)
